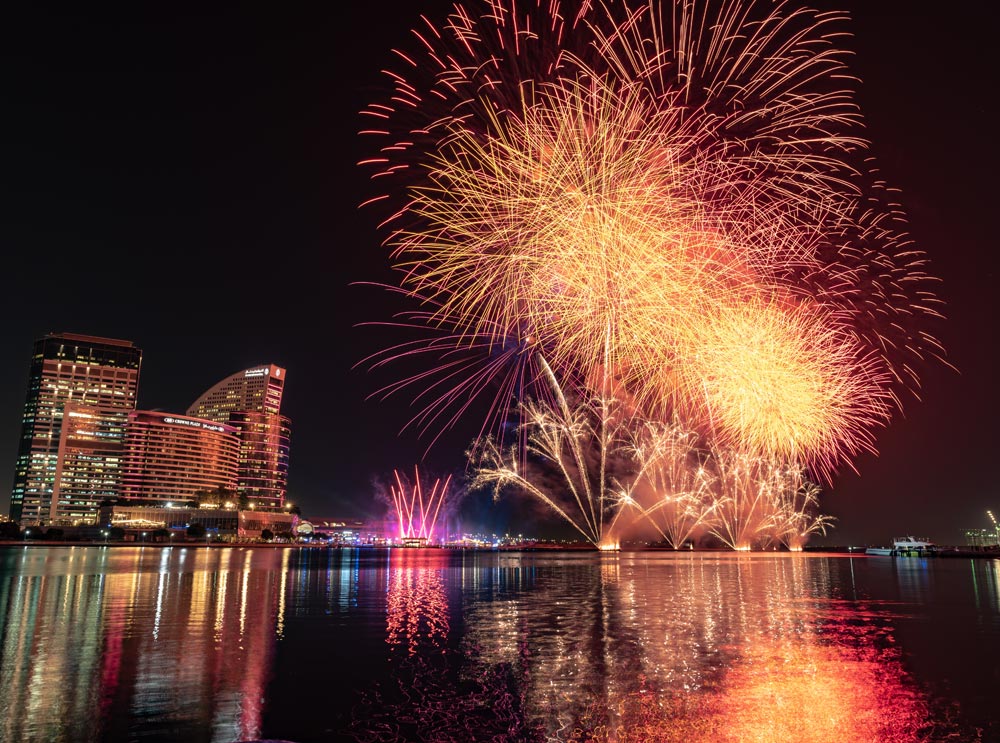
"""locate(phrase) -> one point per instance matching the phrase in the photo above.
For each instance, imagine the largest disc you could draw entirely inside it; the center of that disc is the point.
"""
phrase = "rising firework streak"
(670, 201)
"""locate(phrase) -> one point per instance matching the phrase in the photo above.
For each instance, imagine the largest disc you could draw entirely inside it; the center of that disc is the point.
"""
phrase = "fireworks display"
(577, 443)
(613, 475)
(418, 505)
(663, 206)
(676, 496)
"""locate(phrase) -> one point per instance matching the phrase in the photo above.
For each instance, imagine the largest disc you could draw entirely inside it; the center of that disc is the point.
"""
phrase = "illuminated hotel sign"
(256, 372)
(194, 424)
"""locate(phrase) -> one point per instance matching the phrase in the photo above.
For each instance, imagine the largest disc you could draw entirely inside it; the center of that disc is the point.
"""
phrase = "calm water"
(427, 645)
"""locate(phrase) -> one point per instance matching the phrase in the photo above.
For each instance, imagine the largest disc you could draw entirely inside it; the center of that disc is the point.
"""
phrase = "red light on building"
(172, 457)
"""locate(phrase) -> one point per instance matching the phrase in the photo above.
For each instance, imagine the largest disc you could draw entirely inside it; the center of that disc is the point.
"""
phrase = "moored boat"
(905, 547)
(886, 551)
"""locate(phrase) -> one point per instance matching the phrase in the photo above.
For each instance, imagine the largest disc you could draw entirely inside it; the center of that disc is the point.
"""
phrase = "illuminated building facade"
(981, 537)
(256, 390)
(220, 523)
(61, 479)
(88, 465)
(250, 402)
(172, 458)
(264, 445)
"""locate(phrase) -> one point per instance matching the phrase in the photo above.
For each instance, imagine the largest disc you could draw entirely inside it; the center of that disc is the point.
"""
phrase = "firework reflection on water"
(638, 648)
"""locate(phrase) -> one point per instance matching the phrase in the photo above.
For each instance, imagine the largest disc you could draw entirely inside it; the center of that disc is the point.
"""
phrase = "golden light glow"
(815, 693)
(663, 208)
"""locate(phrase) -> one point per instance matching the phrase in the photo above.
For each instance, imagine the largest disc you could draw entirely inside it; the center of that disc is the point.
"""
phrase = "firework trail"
(612, 474)
(759, 501)
(796, 511)
(674, 491)
(417, 505)
(664, 201)
(579, 442)
(744, 489)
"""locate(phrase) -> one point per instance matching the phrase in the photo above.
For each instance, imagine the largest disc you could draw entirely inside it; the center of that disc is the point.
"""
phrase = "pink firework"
(418, 508)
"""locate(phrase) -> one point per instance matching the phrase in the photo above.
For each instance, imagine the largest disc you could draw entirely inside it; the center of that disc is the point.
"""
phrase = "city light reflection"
(118, 644)
(417, 605)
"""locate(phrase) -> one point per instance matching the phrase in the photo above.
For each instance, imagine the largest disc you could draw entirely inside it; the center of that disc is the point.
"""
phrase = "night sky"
(189, 182)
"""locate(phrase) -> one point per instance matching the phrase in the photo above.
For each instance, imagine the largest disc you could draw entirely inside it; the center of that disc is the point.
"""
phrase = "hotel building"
(250, 402)
(80, 390)
(263, 471)
(225, 524)
(171, 458)
(256, 390)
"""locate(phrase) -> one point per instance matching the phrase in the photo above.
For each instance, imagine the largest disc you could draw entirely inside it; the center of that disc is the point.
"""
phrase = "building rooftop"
(92, 339)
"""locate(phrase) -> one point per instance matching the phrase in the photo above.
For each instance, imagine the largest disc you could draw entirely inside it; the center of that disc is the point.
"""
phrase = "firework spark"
(796, 505)
(674, 493)
(417, 507)
(663, 202)
(577, 442)
(600, 464)
(784, 383)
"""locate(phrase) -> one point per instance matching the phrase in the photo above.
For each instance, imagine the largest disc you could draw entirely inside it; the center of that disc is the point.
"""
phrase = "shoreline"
(945, 553)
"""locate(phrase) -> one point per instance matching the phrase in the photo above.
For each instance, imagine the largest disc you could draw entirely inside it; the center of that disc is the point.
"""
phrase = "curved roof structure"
(256, 390)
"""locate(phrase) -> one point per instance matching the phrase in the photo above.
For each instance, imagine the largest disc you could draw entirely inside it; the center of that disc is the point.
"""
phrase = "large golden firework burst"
(661, 201)
(784, 382)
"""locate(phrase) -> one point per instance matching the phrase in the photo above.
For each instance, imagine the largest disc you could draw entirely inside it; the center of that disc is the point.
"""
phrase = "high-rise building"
(88, 465)
(97, 378)
(255, 390)
(264, 448)
(250, 402)
(172, 458)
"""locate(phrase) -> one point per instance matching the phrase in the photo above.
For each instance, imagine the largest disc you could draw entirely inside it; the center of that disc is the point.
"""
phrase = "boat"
(913, 546)
(905, 547)
(886, 551)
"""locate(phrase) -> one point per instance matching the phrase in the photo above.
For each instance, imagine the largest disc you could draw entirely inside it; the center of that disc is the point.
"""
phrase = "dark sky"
(188, 182)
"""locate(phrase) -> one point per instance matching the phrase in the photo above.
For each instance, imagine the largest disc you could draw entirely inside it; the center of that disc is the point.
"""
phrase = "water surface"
(227, 644)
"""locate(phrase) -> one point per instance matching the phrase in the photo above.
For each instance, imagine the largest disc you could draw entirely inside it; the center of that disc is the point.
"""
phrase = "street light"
(104, 533)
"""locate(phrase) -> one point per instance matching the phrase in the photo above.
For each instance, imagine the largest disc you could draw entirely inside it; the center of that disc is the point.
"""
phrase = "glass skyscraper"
(80, 391)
